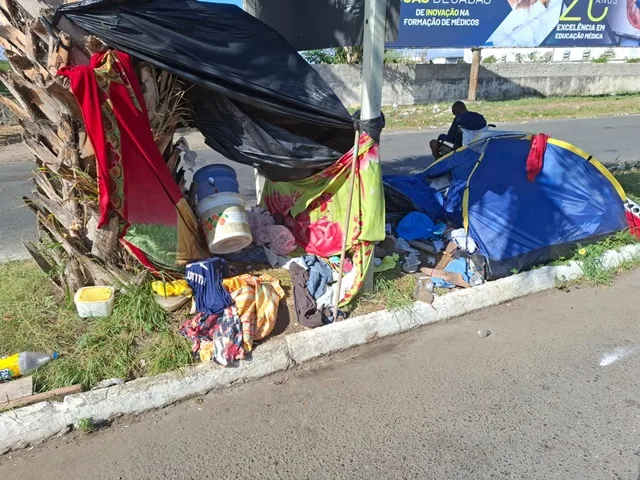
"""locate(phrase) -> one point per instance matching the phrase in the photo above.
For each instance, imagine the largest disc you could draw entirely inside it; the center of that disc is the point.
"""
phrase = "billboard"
(311, 24)
(518, 23)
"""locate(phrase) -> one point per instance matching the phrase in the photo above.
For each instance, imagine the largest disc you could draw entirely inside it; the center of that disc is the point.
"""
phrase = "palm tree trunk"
(70, 248)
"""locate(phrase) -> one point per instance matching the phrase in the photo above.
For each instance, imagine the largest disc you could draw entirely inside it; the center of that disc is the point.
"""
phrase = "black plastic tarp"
(255, 99)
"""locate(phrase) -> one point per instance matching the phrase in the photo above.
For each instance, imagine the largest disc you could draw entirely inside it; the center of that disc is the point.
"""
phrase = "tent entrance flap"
(281, 117)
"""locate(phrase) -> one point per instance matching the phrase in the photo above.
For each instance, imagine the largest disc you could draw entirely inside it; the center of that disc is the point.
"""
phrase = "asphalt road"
(552, 393)
(17, 222)
(607, 139)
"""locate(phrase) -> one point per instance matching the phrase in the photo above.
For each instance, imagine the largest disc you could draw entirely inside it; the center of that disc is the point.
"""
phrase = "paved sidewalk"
(551, 393)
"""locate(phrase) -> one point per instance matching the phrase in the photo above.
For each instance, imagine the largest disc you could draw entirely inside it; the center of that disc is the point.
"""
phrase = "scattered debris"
(484, 333)
(57, 394)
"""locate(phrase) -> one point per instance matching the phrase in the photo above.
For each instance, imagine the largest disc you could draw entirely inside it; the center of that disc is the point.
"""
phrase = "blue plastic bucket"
(215, 178)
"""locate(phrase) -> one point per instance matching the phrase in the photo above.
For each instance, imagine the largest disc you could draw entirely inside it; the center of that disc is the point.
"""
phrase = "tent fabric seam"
(465, 196)
(445, 157)
(607, 174)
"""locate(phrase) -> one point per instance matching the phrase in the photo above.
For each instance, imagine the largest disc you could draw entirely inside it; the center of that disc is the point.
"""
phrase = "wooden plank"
(19, 388)
(447, 256)
(57, 394)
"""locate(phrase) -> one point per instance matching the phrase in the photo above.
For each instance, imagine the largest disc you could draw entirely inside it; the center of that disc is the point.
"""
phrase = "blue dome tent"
(518, 223)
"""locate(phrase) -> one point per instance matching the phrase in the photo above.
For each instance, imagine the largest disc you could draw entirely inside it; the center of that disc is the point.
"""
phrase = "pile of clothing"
(448, 256)
(272, 242)
(315, 288)
(232, 311)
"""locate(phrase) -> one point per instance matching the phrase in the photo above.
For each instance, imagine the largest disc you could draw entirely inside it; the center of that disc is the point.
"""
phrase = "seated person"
(463, 119)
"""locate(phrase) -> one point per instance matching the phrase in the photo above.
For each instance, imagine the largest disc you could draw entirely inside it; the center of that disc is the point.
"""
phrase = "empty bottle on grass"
(23, 363)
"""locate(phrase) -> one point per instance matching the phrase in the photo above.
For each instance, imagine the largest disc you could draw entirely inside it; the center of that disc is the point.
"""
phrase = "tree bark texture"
(70, 248)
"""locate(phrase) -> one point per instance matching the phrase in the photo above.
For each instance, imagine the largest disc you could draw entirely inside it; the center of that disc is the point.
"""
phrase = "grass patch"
(590, 257)
(509, 111)
(138, 339)
(138, 308)
(392, 290)
(164, 352)
(86, 425)
(630, 182)
(440, 291)
(395, 289)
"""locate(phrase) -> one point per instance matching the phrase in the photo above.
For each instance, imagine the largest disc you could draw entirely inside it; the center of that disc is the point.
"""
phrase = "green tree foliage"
(350, 55)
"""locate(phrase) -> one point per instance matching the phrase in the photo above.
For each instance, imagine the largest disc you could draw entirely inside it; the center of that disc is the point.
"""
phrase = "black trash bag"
(282, 116)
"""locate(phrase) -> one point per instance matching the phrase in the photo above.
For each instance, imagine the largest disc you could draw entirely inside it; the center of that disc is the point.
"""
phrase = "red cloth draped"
(535, 160)
(634, 224)
(133, 179)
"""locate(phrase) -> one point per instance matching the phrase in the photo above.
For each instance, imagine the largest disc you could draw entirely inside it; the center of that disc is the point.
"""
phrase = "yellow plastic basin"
(95, 294)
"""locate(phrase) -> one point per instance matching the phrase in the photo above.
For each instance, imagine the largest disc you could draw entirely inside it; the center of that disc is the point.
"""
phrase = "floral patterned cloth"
(314, 209)
(215, 337)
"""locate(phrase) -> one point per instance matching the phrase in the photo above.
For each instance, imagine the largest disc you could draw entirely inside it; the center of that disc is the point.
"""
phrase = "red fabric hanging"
(634, 224)
(158, 226)
(535, 160)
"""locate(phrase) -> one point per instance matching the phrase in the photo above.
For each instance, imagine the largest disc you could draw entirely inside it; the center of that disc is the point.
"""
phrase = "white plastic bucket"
(225, 223)
(94, 301)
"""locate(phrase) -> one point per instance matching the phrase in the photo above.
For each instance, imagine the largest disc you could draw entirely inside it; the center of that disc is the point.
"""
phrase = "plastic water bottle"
(23, 363)
(425, 283)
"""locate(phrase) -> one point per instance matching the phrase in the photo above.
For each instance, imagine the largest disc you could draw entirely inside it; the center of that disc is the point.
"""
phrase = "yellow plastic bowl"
(94, 301)
(95, 294)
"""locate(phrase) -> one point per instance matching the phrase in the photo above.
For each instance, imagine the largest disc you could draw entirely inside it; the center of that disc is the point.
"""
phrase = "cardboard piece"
(455, 278)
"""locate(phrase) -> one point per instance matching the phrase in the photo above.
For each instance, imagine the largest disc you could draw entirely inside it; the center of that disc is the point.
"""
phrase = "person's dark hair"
(458, 107)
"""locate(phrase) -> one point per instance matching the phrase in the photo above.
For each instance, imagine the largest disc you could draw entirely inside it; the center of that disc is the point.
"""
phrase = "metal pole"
(475, 72)
(375, 14)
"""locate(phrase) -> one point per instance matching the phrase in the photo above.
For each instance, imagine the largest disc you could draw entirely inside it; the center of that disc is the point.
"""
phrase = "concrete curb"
(35, 423)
